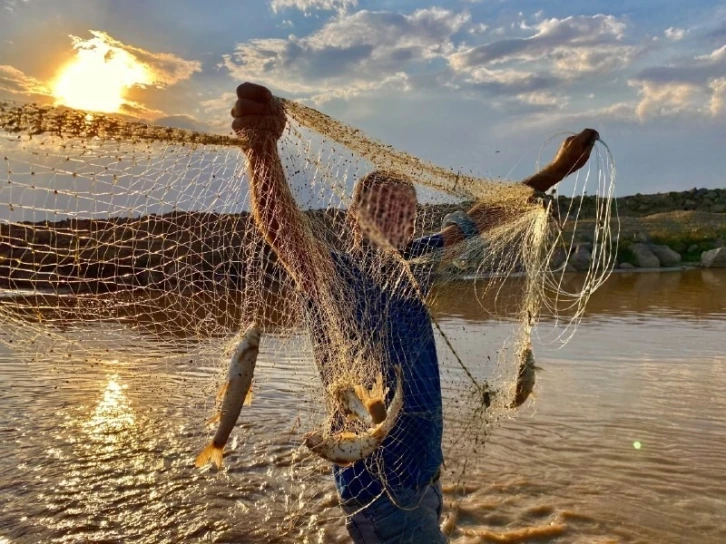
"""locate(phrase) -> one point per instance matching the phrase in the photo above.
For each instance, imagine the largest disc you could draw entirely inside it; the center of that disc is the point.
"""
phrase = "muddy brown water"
(625, 441)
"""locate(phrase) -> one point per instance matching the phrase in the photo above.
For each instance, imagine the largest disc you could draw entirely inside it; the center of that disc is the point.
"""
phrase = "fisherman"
(398, 497)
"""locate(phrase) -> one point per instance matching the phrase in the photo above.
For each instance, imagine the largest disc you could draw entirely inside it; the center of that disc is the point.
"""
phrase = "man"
(362, 303)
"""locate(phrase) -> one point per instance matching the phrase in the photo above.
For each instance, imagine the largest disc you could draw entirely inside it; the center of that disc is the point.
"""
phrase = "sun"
(98, 78)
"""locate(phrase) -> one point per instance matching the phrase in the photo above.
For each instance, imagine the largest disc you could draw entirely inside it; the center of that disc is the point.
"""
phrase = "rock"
(644, 257)
(626, 266)
(640, 237)
(580, 259)
(715, 258)
(558, 258)
(585, 237)
(666, 255)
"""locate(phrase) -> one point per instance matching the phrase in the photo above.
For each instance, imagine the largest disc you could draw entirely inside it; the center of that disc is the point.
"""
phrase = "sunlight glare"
(113, 412)
(98, 77)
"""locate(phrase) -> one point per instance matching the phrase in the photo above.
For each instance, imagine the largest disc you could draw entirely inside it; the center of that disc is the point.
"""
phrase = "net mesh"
(122, 236)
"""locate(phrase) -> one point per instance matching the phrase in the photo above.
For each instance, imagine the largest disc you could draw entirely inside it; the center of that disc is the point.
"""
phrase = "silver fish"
(346, 448)
(234, 393)
(525, 377)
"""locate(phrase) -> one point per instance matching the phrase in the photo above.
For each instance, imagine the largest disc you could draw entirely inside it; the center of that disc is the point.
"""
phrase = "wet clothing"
(383, 521)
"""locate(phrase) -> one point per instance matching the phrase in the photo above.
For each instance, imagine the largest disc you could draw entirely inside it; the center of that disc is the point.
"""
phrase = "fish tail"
(212, 453)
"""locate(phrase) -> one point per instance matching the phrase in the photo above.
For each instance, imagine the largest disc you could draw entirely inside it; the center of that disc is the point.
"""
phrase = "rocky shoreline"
(199, 250)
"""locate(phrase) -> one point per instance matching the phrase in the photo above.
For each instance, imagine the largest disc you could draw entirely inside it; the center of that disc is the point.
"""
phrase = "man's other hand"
(575, 152)
(258, 116)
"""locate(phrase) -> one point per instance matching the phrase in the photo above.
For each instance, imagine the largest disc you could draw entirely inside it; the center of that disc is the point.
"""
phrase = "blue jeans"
(382, 522)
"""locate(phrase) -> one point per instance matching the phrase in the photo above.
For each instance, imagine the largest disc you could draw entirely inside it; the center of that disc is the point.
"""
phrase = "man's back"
(384, 315)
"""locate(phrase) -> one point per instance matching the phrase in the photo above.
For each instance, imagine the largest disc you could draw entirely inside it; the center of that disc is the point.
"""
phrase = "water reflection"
(99, 449)
(113, 413)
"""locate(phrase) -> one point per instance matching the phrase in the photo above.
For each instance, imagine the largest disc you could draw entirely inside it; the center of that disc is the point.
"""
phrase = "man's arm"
(259, 120)
(572, 155)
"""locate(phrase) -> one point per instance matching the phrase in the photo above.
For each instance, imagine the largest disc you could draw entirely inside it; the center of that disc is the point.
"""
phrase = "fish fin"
(211, 453)
(214, 419)
(249, 396)
(377, 391)
(222, 391)
(538, 368)
(362, 393)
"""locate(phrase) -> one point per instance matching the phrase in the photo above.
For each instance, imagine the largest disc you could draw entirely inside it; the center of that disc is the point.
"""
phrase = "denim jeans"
(383, 522)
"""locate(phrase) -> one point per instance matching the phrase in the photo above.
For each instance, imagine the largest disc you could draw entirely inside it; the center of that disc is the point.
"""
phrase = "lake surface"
(624, 442)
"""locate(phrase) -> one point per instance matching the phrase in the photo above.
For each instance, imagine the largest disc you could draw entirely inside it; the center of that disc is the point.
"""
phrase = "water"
(625, 442)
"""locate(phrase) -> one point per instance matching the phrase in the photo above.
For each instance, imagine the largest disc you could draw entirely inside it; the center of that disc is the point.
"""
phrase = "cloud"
(508, 81)
(571, 46)
(17, 83)
(186, 122)
(136, 109)
(351, 54)
(165, 69)
(675, 34)
(215, 112)
(306, 6)
(531, 103)
(688, 84)
(11, 5)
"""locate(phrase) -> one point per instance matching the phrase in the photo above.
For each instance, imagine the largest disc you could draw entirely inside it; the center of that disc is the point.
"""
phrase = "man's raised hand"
(575, 151)
(259, 117)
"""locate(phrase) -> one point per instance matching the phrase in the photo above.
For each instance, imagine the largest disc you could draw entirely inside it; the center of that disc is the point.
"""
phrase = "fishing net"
(126, 238)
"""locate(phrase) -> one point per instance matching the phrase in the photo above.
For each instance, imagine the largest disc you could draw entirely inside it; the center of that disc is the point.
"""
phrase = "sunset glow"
(98, 77)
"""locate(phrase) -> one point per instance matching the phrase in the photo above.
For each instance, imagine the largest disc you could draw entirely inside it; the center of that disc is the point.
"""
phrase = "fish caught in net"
(127, 236)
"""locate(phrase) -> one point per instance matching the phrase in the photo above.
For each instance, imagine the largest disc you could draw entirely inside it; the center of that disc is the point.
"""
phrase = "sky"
(486, 86)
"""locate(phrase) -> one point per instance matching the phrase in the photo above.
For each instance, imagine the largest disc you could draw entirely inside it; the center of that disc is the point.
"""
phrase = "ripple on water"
(103, 450)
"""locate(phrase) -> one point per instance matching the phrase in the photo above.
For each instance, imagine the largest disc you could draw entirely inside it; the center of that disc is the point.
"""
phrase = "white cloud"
(543, 98)
(694, 85)
(306, 6)
(479, 28)
(351, 54)
(12, 5)
(718, 98)
(658, 99)
(675, 34)
(165, 68)
(16, 83)
(572, 46)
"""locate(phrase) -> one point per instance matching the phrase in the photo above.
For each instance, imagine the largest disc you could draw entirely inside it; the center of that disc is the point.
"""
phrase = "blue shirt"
(392, 315)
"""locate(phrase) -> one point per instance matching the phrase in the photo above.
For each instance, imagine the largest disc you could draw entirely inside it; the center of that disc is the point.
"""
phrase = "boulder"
(558, 258)
(626, 266)
(644, 257)
(715, 258)
(666, 255)
(580, 259)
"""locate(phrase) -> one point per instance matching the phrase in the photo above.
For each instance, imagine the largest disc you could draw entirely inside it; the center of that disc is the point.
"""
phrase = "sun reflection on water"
(113, 413)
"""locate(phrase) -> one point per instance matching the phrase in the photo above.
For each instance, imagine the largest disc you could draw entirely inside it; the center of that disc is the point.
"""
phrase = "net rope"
(125, 236)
